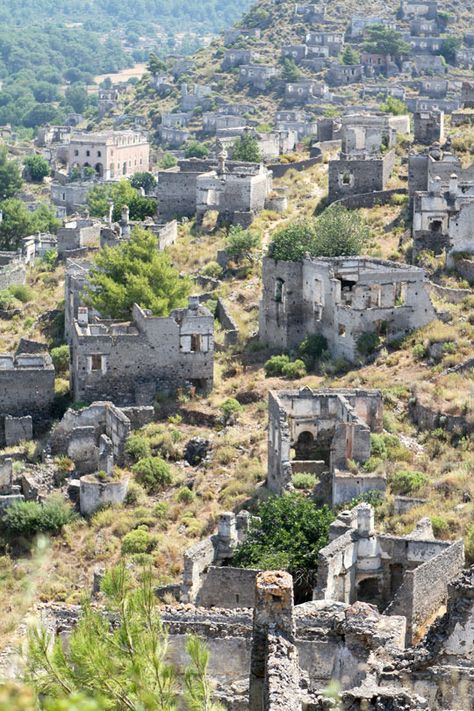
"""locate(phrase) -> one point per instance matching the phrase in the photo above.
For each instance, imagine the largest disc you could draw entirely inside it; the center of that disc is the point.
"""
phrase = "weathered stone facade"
(342, 299)
(428, 127)
(112, 154)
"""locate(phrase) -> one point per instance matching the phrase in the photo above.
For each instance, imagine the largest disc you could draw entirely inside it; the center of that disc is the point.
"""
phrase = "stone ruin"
(12, 269)
(428, 127)
(320, 432)
(342, 299)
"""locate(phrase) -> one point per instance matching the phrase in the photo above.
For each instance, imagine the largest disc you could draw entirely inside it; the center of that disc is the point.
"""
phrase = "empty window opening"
(309, 448)
(375, 300)
(196, 342)
(96, 362)
(342, 330)
(436, 225)
(368, 590)
(396, 577)
(400, 293)
(279, 286)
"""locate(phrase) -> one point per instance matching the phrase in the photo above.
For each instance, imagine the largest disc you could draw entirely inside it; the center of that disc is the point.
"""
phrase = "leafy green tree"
(122, 666)
(77, 98)
(195, 149)
(144, 180)
(121, 193)
(168, 161)
(350, 55)
(246, 149)
(10, 177)
(19, 222)
(290, 71)
(40, 114)
(45, 92)
(394, 106)
(241, 244)
(156, 65)
(449, 47)
(136, 272)
(338, 232)
(289, 533)
(37, 167)
(384, 40)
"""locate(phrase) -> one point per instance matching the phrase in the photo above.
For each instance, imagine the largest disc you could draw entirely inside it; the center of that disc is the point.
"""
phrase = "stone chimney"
(193, 302)
(453, 185)
(83, 315)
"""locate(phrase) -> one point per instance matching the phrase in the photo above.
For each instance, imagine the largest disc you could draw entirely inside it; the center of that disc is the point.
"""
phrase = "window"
(96, 362)
(88, 153)
(342, 329)
(99, 154)
(279, 285)
(76, 152)
(195, 342)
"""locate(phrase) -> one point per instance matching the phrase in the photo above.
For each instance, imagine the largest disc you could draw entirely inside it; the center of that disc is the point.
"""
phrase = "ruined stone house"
(112, 154)
(212, 122)
(131, 363)
(433, 163)
(257, 75)
(200, 95)
(343, 74)
(443, 218)
(428, 127)
(320, 432)
(236, 57)
(296, 52)
(402, 575)
(342, 299)
(325, 42)
(304, 92)
(77, 235)
(299, 121)
(419, 9)
(12, 269)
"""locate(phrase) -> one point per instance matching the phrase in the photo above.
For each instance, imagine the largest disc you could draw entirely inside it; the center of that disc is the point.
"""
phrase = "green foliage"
(290, 532)
(469, 545)
(337, 232)
(419, 351)
(449, 47)
(153, 473)
(294, 370)
(22, 292)
(350, 55)
(246, 149)
(407, 481)
(274, 365)
(121, 194)
(195, 149)
(121, 666)
(37, 168)
(60, 358)
(144, 180)
(185, 495)
(156, 65)
(311, 349)
(241, 244)
(10, 178)
(394, 106)
(138, 541)
(168, 161)
(7, 300)
(27, 518)
(304, 480)
(212, 269)
(138, 447)
(440, 526)
(136, 272)
(230, 409)
(384, 40)
(19, 222)
(290, 71)
(368, 342)
(77, 98)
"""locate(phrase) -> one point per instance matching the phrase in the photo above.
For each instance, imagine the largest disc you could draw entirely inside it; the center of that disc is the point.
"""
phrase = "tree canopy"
(136, 272)
(288, 534)
(121, 666)
(121, 193)
(394, 106)
(384, 40)
(37, 167)
(10, 177)
(19, 222)
(246, 148)
(337, 232)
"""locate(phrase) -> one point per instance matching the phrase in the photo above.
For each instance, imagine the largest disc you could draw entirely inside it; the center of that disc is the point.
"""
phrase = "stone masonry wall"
(228, 587)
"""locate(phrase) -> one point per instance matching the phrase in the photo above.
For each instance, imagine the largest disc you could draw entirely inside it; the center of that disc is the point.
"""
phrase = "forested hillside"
(46, 45)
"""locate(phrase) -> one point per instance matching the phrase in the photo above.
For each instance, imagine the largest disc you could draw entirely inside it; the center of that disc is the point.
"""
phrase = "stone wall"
(12, 273)
(227, 587)
(280, 169)
(452, 296)
(368, 200)
(355, 176)
(231, 335)
(27, 389)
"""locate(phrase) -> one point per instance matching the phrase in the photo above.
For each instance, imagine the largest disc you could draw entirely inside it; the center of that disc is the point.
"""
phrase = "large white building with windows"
(112, 154)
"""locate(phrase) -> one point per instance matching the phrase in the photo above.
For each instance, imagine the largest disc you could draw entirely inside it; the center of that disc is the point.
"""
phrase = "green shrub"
(311, 348)
(138, 447)
(469, 545)
(368, 342)
(274, 365)
(22, 292)
(407, 481)
(304, 480)
(212, 269)
(154, 473)
(230, 409)
(440, 526)
(168, 161)
(418, 351)
(26, 518)
(294, 370)
(7, 300)
(378, 447)
(185, 495)
(60, 358)
(138, 541)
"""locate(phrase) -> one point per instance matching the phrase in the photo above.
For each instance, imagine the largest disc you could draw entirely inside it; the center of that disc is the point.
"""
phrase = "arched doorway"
(99, 169)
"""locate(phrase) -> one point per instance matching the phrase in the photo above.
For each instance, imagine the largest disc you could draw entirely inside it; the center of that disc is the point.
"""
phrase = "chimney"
(111, 212)
(453, 185)
(125, 215)
(193, 303)
(83, 315)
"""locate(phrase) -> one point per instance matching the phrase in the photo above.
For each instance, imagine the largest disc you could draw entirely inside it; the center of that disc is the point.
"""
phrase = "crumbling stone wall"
(27, 386)
(355, 176)
(12, 269)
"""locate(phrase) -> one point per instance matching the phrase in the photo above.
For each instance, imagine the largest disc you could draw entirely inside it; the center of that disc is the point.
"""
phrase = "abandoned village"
(256, 287)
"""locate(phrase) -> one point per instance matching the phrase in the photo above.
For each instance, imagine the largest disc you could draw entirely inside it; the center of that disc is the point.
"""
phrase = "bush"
(274, 365)
(311, 349)
(294, 370)
(154, 473)
(138, 541)
(195, 149)
(37, 168)
(26, 518)
(407, 481)
(469, 545)
(168, 161)
(246, 149)
(185, 495)
(22, 292)
(418, 351)
(212, 269)
(304, 480)
(60, 358)
(241, 244)
(7, 300)
(368, 342)
(290, 244)
(378, 447)
(440, 526)
(138, 447)
(230, 409)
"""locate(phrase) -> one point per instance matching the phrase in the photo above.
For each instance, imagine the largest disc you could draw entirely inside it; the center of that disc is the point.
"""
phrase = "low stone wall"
(280, 169)
(452, 296)
(430, 418)
(94, 493)
(228, 588)
(227, 322)
(465, 269)
(378, 197)
(12, 274)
